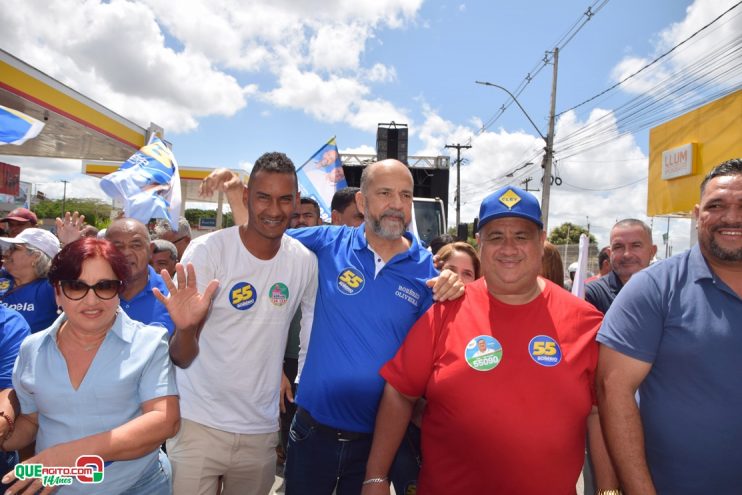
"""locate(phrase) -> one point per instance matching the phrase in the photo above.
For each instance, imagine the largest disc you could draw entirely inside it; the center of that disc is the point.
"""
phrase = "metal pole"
(549, 151)
(458, 178)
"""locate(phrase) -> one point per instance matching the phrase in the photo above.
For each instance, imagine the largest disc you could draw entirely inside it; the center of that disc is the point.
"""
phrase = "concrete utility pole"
(64, 197)
(458, 178)
(549, 150)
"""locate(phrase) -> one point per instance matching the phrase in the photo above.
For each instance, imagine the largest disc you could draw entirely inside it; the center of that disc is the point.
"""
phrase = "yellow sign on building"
(683, 150)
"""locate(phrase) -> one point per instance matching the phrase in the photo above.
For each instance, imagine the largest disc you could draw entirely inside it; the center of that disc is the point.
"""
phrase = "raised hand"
(221, 179)
(69, 230)
(187, 307)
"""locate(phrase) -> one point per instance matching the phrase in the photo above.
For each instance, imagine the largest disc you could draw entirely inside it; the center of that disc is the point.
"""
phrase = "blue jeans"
(156, 480)
(318, 463)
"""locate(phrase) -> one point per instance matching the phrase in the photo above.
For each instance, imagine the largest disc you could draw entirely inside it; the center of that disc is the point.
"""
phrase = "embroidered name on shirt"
(408, 295)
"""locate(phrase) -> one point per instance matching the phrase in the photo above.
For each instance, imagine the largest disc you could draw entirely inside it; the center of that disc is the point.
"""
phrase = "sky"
(232, 79)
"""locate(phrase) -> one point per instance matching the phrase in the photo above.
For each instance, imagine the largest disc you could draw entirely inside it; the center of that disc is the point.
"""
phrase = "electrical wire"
(650, 64)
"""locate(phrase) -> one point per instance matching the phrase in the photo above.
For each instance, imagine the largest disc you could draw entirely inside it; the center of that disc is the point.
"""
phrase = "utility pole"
(458, 178)
(549, 150)
(526, 182)
(64, 197)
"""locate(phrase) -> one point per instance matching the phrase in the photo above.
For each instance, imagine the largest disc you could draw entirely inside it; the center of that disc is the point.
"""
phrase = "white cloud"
(174, 62)
(380, 73)
(698, 14)
(337, 46)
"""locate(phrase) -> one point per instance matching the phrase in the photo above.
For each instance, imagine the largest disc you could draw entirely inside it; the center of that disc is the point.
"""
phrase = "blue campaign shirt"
(684, 320)
(360, 320)
(13, 330)
(34, 301)
(146, 308)
(131, 366)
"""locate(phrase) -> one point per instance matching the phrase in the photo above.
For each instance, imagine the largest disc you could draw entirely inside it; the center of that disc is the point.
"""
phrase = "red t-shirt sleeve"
(410, 369)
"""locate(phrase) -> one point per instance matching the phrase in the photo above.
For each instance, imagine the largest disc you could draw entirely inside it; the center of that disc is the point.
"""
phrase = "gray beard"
(388, 234)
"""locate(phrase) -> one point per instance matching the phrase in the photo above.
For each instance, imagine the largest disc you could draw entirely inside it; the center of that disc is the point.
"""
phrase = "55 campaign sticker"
(243, 295)
(545, 351)
(350, 281)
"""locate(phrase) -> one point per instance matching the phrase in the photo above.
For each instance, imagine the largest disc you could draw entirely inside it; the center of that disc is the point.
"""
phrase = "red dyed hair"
(67, 265)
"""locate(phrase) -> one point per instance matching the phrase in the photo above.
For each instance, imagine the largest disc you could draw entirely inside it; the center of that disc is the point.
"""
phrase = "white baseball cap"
(38, 238)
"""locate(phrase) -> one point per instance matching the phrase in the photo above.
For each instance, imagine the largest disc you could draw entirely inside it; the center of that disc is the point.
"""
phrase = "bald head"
(131, 237)
(385, 167)
(385, 199)
(127, 225)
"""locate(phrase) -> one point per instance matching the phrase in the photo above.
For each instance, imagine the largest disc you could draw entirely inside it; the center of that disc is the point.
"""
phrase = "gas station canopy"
(76, 126)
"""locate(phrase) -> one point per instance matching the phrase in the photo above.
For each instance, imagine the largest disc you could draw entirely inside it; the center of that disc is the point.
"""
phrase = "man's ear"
(360, 203)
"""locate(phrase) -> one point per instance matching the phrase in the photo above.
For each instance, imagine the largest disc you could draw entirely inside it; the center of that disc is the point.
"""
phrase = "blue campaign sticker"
(350, 281)
(243, 295)
(483, 353)
(545, 350)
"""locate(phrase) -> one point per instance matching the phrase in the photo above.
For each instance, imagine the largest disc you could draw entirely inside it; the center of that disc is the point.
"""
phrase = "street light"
(548, 149)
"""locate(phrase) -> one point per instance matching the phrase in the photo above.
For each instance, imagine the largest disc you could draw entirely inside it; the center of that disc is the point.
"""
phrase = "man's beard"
(389, 233)
(720, 252)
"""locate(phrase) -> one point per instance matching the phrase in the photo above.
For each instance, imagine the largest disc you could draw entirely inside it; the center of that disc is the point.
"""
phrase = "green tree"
(97, 212)
(569, 233)
(193, 215)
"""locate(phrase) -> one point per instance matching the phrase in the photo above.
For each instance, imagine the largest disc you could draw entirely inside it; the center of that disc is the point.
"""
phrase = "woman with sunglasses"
(23, 284)
(95, 383)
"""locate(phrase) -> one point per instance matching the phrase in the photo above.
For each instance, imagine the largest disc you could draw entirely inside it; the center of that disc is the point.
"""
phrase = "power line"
(652, 62)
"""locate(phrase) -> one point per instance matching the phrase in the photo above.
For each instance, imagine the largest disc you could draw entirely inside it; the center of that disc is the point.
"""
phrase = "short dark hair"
(67, 264)
(343, 198)
(274, 162)
(729, 167)
(306, 200)
(440, 241)
(604, 255)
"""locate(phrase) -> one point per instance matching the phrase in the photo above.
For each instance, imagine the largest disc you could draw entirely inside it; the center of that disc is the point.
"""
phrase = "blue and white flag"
(148, 184)
(321, 176)
(17, 127)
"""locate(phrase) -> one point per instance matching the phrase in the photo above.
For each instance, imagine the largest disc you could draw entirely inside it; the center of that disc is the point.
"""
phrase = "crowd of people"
(358, 359)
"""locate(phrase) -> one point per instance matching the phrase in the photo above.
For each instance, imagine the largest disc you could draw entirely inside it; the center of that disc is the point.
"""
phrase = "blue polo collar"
(360, 242)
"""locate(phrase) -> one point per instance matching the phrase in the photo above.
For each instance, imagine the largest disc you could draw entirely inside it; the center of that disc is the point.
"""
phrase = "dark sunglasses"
(77, 289)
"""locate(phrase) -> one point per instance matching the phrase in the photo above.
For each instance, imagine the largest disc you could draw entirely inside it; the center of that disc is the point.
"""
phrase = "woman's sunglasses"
(77, 289)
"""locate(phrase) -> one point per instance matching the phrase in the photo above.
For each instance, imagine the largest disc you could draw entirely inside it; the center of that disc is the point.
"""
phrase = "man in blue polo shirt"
(673, 332)
(13, 329)
(373, 286)
(132, 238)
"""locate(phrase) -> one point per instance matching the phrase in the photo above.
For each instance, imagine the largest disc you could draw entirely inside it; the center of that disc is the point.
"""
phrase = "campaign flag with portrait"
(148, 184)
(17, 127)
(321, 176)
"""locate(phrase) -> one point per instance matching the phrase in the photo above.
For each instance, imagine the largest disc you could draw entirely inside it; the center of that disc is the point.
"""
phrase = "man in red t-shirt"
(507, 371)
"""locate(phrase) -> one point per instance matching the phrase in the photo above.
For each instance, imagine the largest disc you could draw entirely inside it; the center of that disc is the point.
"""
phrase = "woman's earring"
(59, 310)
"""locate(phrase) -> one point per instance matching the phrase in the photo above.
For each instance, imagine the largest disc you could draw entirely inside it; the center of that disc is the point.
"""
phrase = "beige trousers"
(199, 455)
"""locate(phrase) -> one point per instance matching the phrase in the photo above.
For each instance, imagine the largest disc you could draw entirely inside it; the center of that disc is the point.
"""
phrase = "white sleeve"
(307, 312)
